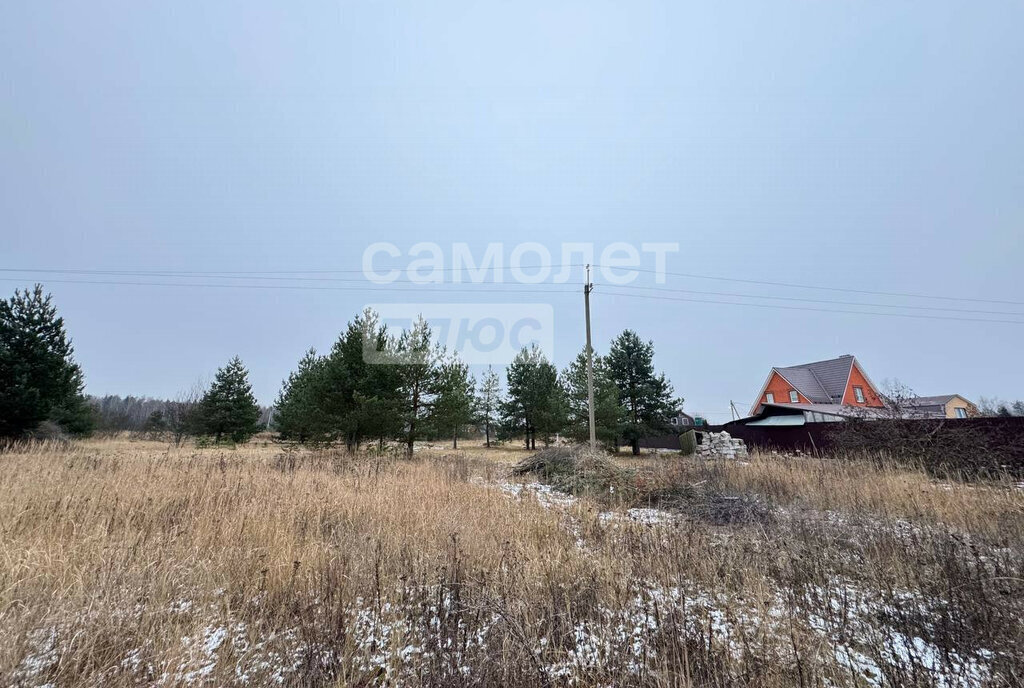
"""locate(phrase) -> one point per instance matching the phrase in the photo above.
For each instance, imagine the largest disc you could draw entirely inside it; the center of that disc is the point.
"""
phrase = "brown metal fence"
(987, 445)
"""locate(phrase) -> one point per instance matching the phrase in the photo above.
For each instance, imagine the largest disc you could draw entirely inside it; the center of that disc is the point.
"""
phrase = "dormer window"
(858, 394)
(794, 398)
(769, 398)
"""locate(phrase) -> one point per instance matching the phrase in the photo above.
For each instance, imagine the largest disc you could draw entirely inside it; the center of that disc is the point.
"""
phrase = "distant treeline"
(995, 408)
(113, 414)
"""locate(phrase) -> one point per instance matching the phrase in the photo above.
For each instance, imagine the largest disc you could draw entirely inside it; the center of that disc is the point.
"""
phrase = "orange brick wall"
(778, 386)
(857, 379)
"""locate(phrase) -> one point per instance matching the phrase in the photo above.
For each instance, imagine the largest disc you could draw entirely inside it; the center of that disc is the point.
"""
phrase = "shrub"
(577, 470)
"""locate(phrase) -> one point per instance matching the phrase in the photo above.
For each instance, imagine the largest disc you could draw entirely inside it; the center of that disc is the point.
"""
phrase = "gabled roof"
(939, 400)
(823, 382)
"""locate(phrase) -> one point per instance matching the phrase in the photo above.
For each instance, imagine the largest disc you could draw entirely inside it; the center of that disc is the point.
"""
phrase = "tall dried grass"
(128, 563)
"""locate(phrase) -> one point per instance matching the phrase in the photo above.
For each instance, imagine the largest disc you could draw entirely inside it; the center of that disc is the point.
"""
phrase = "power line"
(810, 286)
(279, 275)
(818, 310)
(239, 274)
(305, 287)
(232, 276)
(807, 300)
(505, 289)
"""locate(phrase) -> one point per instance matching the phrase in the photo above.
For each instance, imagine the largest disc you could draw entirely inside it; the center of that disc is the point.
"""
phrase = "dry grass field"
(126, 563)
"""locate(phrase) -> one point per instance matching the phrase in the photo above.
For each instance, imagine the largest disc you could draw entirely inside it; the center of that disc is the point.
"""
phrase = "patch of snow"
(43, 656)
(545, 495)
(643, 516)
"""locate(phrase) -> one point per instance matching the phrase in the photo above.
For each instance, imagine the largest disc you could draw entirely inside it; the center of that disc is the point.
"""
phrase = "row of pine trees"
(372, 386)
(376, 386)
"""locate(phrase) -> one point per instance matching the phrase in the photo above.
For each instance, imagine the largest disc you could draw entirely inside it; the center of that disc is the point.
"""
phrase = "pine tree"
(343, 370)
(377, 397)
(353, 393)
(417, 365)
(358, 391)
(297, 413)
(646, 396)
(535, 403)
(488, 399)
(229, 409)
(453, 405)
(608, 413)
(39, 378)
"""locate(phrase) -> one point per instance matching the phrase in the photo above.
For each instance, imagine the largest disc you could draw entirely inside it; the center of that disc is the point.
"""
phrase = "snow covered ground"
(390, 638)
(853, 625)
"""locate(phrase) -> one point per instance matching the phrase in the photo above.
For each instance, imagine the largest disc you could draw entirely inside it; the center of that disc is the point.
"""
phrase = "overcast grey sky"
(872, 146)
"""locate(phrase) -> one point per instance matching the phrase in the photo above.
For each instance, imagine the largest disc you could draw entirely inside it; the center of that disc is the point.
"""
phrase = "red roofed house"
(836, 382)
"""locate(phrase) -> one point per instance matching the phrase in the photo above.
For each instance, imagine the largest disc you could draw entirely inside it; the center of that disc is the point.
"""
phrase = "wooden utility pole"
(587, 288)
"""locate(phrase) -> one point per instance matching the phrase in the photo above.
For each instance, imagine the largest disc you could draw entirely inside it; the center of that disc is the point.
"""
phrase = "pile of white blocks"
(721, 445)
